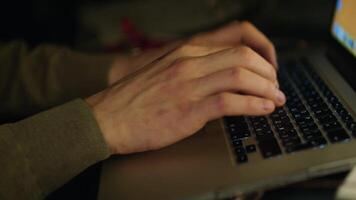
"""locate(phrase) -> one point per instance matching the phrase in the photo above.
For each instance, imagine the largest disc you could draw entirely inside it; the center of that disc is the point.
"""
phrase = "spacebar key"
(269, 147)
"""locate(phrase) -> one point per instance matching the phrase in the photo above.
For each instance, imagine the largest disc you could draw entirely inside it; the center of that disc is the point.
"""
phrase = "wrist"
(94, 102)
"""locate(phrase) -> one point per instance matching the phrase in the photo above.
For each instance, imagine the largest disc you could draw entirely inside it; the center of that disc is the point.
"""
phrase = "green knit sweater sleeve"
(41, 153)
(36, 79)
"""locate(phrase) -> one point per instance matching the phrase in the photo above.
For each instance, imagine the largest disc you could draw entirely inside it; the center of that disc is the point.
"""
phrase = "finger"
(255, 39)
(236, 57)
(183, 55)
(229, 104)
(227, 35)
(238, 80)
(236, 33)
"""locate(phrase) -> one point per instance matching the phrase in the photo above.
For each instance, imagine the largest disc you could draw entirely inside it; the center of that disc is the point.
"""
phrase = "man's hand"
(126, 65)
(233, 34)
(174, 96)
(237, 33)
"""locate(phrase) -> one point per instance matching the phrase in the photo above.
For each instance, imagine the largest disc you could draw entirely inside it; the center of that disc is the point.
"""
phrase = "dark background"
(61, 21)
(88, 25)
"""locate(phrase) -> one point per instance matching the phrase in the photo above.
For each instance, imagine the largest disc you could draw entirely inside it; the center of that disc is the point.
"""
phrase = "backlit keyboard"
(311, 107)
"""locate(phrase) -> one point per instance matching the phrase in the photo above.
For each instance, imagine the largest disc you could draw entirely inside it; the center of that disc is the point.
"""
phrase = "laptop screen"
(344, 26)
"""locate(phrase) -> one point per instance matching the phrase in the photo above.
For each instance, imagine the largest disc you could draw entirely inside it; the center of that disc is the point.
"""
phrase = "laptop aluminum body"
(204, 165)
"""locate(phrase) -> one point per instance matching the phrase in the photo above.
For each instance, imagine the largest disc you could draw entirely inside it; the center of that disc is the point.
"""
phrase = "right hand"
(173, 97)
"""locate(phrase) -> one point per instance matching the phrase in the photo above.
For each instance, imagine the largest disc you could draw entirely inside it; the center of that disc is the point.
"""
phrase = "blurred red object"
(134, 39)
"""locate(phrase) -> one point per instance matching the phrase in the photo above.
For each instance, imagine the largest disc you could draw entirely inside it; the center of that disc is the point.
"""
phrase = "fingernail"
(268, 105)
(281, 98)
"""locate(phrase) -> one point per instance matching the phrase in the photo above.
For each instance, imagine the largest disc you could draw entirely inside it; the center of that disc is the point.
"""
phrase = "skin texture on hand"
(235, 33)
(126, 65)
(173, 96)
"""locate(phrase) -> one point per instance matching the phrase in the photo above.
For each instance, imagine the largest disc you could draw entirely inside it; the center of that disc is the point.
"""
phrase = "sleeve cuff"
(60, 143)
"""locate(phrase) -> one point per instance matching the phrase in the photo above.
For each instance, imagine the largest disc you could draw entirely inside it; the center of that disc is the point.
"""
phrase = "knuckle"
(245, 52)
(222, 102)
(181, 63)
(235, 74)
(184, 108)
(246, 24)
(184, 48)
(180, 67)
(189, 50)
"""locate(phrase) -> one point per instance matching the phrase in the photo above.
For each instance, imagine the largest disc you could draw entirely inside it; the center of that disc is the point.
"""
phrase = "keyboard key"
(264, 136)
(337, 135)
(337, 105)
(327, 118)
(237, 124)
(320, 112)
(232, 120)
(287, 134)
(269, 147)
(250, 148)
(232, 130)
(342, 111)
(242, 134)
(332, 99)
(291, 141)
(261, 126)
(237, 143)
(240, 150)
(318, 105)
(346, 118)
(280, 111)
(234, 123)
(258, 119)
(312, 100)
(351, 126)
(234, 137)
(242, 158)
(312, 134)
(320, 141)
(298, 116)
(304, 105)
(284, 127)
(306, 119)
(308, 129)
(310, 125)
(331, 126)
(299, 147)
(266, 131)
(354, 133)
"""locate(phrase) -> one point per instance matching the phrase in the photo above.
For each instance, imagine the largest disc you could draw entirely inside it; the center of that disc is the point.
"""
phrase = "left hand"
(230, 35)
(239, 33)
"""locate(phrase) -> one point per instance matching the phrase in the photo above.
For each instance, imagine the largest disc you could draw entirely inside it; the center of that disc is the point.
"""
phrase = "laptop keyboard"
(311, 107)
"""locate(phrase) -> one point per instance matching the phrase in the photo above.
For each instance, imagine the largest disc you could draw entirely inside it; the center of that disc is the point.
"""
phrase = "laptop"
(313, 135)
